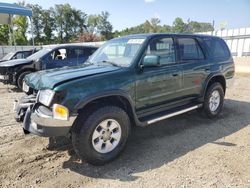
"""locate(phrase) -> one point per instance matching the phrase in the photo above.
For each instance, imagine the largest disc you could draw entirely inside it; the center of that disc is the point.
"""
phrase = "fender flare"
(209, 78)
(86, 100)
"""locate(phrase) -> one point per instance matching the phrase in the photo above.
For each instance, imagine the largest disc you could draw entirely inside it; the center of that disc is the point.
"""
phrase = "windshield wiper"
(112, 63)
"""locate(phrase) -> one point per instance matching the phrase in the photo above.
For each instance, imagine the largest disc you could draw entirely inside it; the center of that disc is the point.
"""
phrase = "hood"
(15, 62)
(50, 78)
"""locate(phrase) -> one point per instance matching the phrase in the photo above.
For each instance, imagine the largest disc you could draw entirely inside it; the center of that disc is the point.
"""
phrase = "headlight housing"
(46, 96)
(25, 87)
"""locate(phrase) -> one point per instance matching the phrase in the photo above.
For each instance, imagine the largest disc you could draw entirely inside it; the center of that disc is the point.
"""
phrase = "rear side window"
(217, 48)
(189, 49)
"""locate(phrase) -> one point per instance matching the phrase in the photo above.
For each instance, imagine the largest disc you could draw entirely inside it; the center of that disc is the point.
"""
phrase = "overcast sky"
(127, 13)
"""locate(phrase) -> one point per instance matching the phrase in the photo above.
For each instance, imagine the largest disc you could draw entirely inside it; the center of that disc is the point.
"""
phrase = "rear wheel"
(213, 101)
(102, 134)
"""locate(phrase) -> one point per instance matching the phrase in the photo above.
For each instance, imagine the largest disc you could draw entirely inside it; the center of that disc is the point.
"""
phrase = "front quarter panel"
(81, 90)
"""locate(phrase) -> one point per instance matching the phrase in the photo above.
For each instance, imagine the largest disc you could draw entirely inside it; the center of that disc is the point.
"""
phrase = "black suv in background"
(14, 71)
(21, 54)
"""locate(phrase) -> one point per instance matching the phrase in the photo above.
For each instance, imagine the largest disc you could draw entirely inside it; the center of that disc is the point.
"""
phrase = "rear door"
(194, 65)
(158, 86)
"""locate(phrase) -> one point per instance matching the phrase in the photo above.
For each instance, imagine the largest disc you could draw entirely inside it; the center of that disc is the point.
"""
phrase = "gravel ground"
(184, 151)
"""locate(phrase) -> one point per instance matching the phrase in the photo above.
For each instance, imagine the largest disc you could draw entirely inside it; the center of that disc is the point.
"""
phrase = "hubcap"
(214, 100)
(106, 136)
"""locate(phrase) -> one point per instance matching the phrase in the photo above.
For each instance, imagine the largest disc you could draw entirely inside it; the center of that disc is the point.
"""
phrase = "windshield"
(39, 54)
(8, 56)
(119, 51)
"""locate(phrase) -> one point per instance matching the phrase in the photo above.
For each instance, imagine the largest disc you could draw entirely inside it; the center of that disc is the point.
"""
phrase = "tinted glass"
(189, 49)
(19, 55)
(59, 54)
(75, 53)
(164, 48)
(217, 47)
(89, 51)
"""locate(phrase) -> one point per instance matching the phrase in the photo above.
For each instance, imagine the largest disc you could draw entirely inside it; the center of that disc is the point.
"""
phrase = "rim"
(106, 136)
(214, 101)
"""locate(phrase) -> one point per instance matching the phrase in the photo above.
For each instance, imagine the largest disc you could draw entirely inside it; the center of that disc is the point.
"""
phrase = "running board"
(173, 114)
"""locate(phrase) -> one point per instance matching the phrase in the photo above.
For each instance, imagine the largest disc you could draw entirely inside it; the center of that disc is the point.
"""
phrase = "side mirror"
(151, 61)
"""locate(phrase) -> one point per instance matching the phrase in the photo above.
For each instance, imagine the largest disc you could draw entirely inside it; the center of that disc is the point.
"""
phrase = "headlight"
(25, 87)
(45, 96)
(60, 112)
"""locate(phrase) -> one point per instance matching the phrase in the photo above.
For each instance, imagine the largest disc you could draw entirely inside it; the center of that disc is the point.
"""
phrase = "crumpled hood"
(15, 62)
(49, 78)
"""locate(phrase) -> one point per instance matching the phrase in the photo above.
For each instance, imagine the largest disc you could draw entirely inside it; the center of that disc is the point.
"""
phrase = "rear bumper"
(45, 125)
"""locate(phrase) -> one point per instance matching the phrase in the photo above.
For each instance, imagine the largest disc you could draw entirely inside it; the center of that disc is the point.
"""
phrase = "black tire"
(86, 125)
(20, 79)
(206, 110)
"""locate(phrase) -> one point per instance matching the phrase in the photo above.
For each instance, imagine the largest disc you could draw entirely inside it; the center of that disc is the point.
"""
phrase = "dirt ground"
(185, 151)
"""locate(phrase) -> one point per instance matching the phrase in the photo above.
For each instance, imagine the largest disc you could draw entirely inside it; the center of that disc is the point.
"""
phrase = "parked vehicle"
(14, 71)
(18, 55)
(132, 80)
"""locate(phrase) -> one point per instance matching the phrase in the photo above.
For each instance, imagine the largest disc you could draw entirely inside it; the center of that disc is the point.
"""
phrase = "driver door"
(57, 58)
(159, 85)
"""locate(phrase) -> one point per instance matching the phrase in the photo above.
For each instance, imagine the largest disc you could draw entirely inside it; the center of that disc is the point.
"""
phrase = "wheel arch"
(18, 73)
(116, 97)
(215, 78)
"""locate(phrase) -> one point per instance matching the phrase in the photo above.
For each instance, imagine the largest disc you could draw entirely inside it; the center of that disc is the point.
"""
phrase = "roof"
(148, 35)
(7, 8)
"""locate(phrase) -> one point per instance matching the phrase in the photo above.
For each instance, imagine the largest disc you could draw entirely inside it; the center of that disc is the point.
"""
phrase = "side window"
(75, 53)
(27, 54)
(217, 48)
(164, 48)
(19, 55)
(89, 51)
(59, 54)
(189, 49)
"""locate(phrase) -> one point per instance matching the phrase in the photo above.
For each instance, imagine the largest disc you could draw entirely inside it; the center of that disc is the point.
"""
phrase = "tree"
(69, 22)
(48, 22)
(88, 37)
(104, 26)
(4, 34)
(92, 23)
(194, 27)
(37, 21)
(21, 26)
(178, 25)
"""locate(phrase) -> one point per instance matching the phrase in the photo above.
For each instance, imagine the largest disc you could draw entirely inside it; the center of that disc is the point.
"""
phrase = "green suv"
(132, 80)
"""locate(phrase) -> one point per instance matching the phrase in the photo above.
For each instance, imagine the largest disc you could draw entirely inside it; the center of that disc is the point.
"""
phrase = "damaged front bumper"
(21, 106)
(38, 119)
(42, 124)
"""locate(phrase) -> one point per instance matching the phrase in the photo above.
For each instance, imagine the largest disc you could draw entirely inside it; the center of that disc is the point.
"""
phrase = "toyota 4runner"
(133, 80)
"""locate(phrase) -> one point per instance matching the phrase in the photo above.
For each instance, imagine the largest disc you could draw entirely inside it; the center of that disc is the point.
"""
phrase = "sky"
(128, 13)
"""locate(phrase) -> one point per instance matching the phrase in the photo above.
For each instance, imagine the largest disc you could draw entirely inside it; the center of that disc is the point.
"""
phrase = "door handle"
(175, 74)
(207, 69)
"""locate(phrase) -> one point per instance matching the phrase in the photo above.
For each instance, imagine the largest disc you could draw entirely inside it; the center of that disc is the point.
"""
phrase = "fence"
(238, 40)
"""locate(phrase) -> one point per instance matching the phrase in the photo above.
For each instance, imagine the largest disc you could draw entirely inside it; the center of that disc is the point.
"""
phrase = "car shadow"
(154, 146)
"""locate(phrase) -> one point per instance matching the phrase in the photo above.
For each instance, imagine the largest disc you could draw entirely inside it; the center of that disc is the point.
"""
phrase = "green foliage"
(105, 27)
(63, 24)
(4, 34)
(21, 26)
(178, 25)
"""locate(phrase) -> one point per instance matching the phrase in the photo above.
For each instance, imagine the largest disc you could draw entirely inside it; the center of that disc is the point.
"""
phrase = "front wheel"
(102, 134)
(20, 79)
(214, 99)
